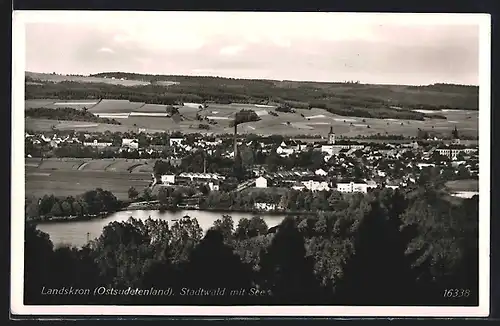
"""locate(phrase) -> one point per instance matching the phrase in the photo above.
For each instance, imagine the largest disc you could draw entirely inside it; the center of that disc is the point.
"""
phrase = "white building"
(261, 182)
(175, 141)
(313, 185)
(425, 165)
(321, 172)
(265, 206)
(350, 187)
(334, 149)
(465, 194)
(96, 143)
(168, 179)
(298, 186)
(330, 149)
(201, 176)
(214, 186)
(453, 152)
(283, 151)
(130, 143)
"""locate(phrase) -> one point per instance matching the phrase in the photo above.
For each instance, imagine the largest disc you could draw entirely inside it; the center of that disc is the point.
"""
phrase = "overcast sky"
(293, 46)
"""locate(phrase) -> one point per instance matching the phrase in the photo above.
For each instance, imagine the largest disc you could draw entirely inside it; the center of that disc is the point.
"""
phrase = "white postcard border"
(18, 184)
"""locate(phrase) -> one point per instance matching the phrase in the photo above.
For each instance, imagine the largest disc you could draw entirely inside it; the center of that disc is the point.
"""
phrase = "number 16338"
(456, 293)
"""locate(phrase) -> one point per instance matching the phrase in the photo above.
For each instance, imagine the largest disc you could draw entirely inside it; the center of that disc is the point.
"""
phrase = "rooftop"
(358, 181)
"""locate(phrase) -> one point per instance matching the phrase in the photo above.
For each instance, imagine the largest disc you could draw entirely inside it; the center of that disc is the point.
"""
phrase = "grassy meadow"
(71, 177)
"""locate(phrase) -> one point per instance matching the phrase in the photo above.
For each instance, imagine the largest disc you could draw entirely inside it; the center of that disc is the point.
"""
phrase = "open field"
(32, 162)
(68, 164)
(73, 183)
(267, 125)
(78, 105)
(115, 106)
(43, 125)
(153, 108)
(144, 168)
(56, 104)
(65, 177)
(463, 185)
(30, 104)
(96, 165)
(83, 79)
(88, 164)
(129, 165)
(293, 124)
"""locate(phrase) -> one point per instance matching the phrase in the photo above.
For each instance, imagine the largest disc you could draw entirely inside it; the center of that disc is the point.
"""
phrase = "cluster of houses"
(389, 165)
(331, 148)
(453, 151)
(127, 143)
(315, 183)
(56, 141)
(212, 180)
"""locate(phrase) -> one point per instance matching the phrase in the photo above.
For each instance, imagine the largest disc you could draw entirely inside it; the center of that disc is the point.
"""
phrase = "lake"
(75, 233)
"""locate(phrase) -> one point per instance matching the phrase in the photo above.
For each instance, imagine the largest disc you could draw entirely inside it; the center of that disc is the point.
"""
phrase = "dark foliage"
(67, 114)
(384, 248)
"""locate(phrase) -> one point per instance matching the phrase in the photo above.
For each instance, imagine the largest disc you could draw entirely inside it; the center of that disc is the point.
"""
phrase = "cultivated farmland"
(67, 177)
(96, 165)
(129, 165)
(351, 109)
(150, 117)
(73, 183)
(61, 164)
(463, 185)
(78, 105)
(87, 164)
(43, 125)
(116, 106)
(145, 168)
(152, 108)
(32, 104)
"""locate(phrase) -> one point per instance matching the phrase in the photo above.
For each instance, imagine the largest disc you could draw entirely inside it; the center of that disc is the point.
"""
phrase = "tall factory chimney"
(235, 139)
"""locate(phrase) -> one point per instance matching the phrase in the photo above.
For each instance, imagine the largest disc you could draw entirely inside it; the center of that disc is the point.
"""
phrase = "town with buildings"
(328, 164)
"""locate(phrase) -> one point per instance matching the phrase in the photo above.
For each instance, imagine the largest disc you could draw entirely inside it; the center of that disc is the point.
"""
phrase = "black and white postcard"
(250, 164)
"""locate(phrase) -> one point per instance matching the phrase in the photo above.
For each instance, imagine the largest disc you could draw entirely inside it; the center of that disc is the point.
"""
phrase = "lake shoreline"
(69, 219)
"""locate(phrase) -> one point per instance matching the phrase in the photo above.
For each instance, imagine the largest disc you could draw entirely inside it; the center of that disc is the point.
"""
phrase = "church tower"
(331, 136)
(455, 136)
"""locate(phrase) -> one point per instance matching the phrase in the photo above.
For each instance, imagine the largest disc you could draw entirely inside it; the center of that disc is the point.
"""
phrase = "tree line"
(388, 248)
(67, 114)
(89, 203)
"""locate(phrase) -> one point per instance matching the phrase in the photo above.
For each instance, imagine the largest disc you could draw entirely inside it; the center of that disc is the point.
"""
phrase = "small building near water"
(261, 182)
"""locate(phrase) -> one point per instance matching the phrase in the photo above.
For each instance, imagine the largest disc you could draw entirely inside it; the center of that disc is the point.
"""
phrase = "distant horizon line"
(257, 79)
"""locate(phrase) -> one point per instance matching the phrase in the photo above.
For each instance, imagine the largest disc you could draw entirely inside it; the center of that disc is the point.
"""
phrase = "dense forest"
(375, 101)
(67, 114)
(384, 248)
